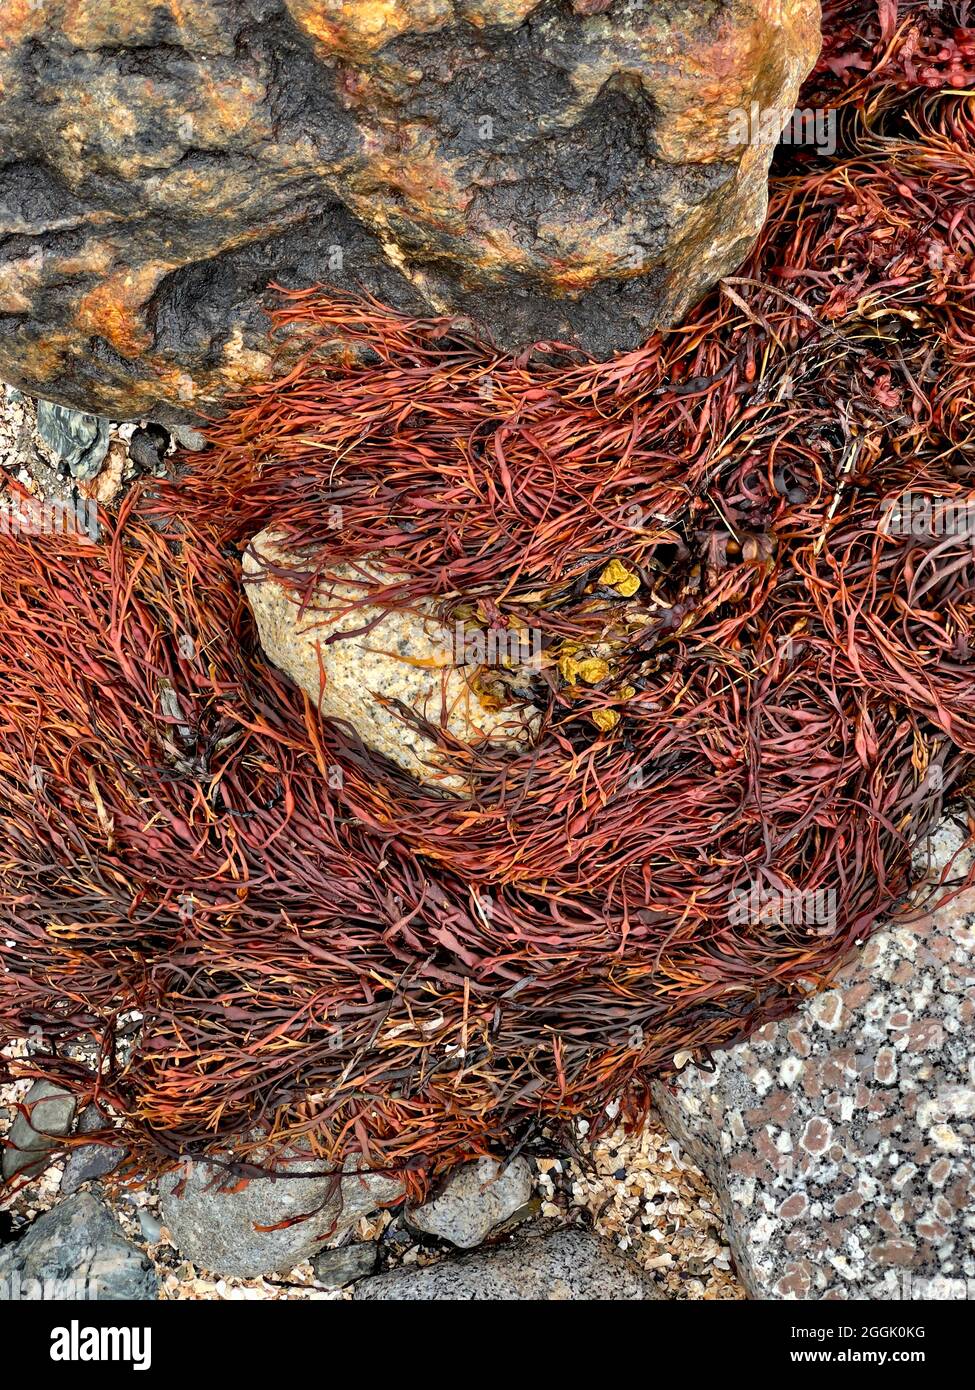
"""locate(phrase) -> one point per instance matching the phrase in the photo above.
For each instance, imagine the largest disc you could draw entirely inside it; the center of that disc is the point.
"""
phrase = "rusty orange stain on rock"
(88, 23)
(366, 25)
(483, 12)
(18, 20)
(93, 24)
(100, 313)
(112, 310)
(231, 106)
(425, 183)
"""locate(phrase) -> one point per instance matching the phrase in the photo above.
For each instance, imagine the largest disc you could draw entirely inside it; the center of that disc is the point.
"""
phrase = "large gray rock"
(569, 1265)
(33, 1135)
(75, 1251)
(841, 1142)
(221, 1223)
(546, 170)
(476, 1198)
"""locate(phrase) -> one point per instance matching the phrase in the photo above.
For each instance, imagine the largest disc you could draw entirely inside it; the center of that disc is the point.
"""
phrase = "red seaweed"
(263, 925)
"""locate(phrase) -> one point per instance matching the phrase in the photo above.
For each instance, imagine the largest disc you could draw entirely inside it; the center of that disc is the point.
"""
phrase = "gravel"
(637, 1190)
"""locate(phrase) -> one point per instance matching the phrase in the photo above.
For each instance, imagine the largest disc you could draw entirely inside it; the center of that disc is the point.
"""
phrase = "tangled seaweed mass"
(315, 944)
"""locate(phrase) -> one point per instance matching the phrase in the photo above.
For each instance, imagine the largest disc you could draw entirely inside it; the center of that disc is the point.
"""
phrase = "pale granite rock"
(476, 1198)
(242, 1228)
(391, 657)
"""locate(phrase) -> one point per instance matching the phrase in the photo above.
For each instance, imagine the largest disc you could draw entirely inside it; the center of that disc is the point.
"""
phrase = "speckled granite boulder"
(546, 170)
(397, 657)
(570, 1265)
(220, 1222)
(476, 1198)
(842, 1142)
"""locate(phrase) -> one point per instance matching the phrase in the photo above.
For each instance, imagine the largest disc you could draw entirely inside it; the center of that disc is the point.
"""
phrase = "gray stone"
(51, 1112)
(220, 1222)
(336, 1268)
(571, 1265)
(476, 1198)
(151, 1228)
(187, 437)
(147, 448)
(841, 1142)
(76, 1251)
(78, 440)
(89, 1162)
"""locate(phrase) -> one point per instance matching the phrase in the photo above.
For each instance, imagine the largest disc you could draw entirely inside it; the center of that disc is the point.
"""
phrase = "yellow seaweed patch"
(620, 577)
(591, 669)
(605, 719)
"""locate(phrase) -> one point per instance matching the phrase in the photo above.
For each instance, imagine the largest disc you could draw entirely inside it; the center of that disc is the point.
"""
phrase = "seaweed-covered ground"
(740, 550)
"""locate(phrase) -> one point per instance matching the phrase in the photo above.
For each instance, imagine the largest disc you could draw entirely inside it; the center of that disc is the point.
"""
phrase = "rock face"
(75, 1251)
(476, 1198)
(220, 1223)
(842, 1143)
(400, 657)
(50, 1112)
(551, 170)
(569, 1265)
(88, 1162)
